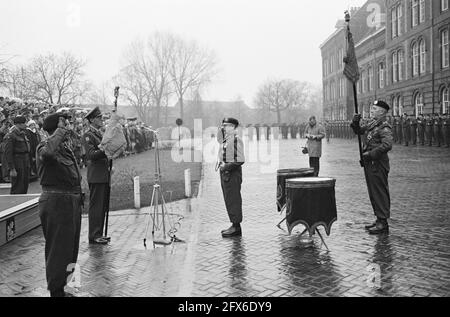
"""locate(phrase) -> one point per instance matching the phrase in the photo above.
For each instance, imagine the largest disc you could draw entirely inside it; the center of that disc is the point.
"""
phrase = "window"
(444, 5)
(418, 102)
(394, 67)
(423, 57)
(422, 11)
(415, 59)
(364, 82)
(394, 23)
(370, 78)
(400, 105)
(399, 19)
(445, 98)
(381, 75)
(444, 49)
(401, 65)
(415, 13)
(394, 106)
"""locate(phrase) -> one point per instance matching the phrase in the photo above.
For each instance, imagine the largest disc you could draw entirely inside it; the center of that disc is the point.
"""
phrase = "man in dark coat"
(97, 177)
(60, 203)
(378, 142)
(17, 154)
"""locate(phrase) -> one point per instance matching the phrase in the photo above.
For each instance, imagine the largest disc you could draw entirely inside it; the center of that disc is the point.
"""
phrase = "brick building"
(402, 48)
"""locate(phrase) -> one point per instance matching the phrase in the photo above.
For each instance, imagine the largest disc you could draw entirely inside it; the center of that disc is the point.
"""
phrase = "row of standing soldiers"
(423, 130)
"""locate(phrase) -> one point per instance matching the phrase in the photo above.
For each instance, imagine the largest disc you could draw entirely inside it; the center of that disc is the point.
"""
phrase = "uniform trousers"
(60, 215)
(231, 182)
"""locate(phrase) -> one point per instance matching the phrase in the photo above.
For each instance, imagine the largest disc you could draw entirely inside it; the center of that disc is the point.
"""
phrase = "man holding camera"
(231, 159)
(315, 133)
(60, 202)
(378, 142)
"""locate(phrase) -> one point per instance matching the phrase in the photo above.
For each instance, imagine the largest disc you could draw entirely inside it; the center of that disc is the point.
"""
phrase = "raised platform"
(18, 215)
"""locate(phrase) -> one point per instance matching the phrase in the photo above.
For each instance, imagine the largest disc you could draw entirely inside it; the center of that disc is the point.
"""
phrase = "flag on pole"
(351, 69)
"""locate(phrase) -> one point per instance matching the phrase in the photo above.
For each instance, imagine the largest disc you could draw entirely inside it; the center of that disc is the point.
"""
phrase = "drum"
(311, 202)
(282, 176)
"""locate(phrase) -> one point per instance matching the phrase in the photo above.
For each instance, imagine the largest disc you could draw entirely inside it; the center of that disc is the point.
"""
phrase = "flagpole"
(355, 94)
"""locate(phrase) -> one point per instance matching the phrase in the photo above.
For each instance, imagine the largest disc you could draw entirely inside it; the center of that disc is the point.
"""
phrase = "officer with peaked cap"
(97, 176)
(231, 158)
(378, 142)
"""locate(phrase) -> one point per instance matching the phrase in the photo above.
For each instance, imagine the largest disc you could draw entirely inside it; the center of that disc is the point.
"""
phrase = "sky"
(253, 39)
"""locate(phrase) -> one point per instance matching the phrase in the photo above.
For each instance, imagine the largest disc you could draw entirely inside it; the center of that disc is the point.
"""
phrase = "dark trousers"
(314, 162)
(414, 135)
(406, 135)
(231, 188)
(421, 135)
(61, 222)
(446, 135)
(97, 198)
(377, 173)
(19, 184)
(429, 135)
(436, 134)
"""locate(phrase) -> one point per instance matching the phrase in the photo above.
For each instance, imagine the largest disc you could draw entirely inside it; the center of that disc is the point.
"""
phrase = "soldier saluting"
(378, 135)
(231, 158)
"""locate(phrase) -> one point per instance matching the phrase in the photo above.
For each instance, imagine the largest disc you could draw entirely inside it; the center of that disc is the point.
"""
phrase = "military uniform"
(98, 179)
(406, 130)
(413, 130)
(377, 143)
(446, 131)
(394, 130)
(436, 131)
(429, 131)
(60, 207)
(17, 155)
(421, 124)
(231, 158)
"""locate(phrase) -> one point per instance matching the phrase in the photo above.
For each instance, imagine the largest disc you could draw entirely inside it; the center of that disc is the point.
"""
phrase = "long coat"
(315, 146)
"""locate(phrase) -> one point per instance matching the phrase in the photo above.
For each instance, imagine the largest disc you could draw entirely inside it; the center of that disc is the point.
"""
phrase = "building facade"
(403, 58)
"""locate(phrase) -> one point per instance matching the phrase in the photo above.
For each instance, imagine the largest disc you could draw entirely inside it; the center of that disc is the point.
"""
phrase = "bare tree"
(16, 81)
(280, 95)
(57, 79)
(191, 66)
(147, 68)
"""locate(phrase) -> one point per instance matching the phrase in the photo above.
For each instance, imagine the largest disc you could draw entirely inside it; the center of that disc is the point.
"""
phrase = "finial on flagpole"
(347, 16)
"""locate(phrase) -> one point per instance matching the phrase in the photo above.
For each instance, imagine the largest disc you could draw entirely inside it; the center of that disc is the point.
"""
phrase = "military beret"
(19, 120)
(94, 113)
(51, 122)
(233, 121)
(382, 104)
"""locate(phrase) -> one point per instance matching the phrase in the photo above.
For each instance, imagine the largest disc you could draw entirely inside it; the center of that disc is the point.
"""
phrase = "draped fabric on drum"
(310, 202)
(285, 174)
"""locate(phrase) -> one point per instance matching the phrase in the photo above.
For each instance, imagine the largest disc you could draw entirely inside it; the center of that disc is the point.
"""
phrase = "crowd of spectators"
(139, 136)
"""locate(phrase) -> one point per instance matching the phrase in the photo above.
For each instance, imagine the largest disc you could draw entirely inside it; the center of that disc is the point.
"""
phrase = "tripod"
(156, 196)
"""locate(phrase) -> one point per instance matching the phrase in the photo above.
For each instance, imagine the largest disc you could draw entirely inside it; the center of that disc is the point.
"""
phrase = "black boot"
(382, 226)
(373, 225)
(233, 231)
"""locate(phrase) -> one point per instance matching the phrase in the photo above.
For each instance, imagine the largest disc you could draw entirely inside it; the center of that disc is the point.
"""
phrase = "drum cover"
(311, 202)
(282, 176)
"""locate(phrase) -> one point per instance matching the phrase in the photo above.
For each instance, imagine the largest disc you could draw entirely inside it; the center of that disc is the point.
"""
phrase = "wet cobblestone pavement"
(413, 260)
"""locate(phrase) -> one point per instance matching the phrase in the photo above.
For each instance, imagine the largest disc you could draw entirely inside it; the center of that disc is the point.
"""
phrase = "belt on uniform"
(53, 190)
(21, 153)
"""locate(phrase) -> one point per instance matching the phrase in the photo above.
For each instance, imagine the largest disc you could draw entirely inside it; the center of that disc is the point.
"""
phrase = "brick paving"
(413, 259)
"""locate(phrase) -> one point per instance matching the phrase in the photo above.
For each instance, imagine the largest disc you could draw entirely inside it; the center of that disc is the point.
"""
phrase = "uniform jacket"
(16, 143)
(378, 138)
(315, 146)
(98, 164)
(231, 151)
(56, 162)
